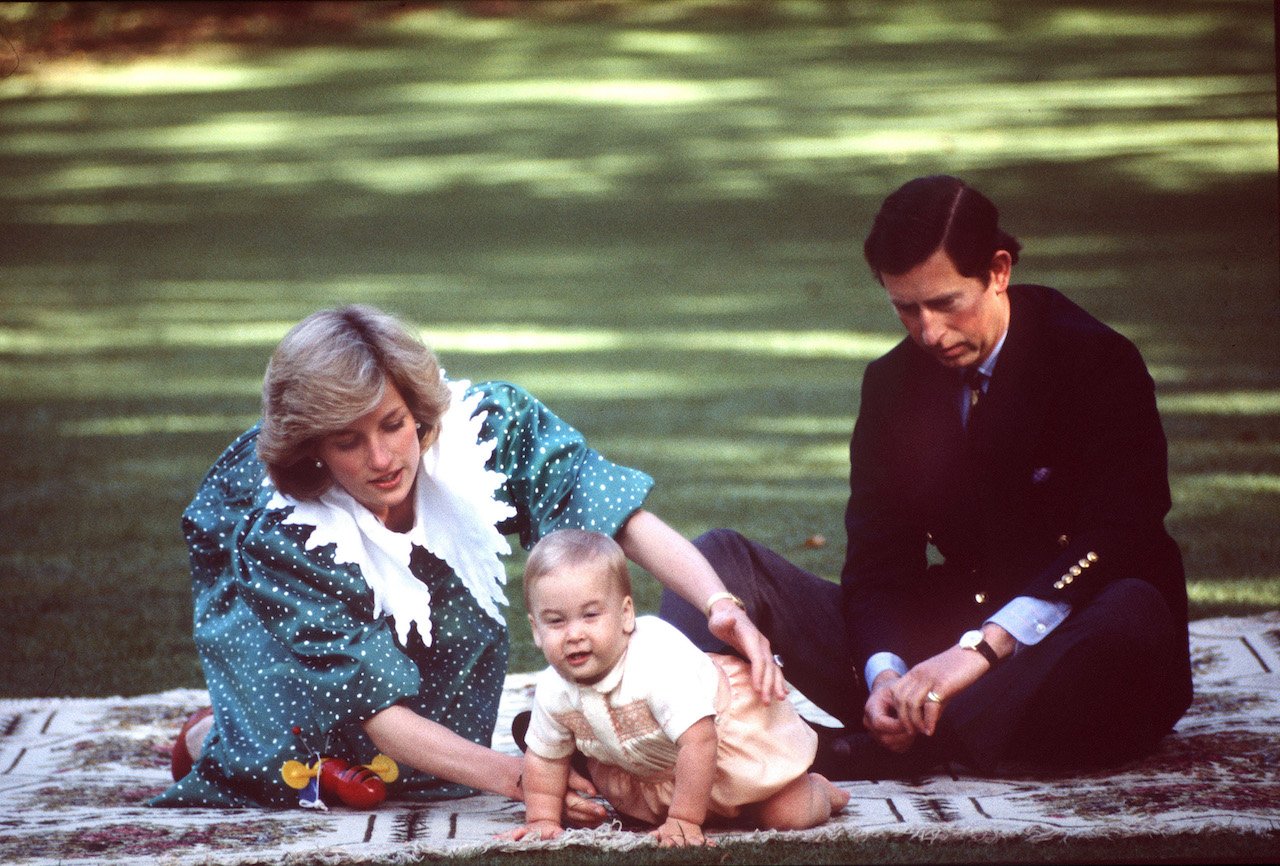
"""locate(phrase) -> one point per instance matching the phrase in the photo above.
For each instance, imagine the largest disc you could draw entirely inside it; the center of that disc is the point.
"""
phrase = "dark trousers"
(1103, 687)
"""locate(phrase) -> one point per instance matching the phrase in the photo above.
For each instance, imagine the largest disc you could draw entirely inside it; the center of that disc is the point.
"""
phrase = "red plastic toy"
(359, 786)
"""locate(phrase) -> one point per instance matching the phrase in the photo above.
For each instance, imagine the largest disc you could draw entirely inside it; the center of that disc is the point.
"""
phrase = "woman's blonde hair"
(330, 369)
(576, 547)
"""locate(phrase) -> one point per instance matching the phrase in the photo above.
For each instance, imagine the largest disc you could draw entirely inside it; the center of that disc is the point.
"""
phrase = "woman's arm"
(410, 739)
(679, 566)
(695, 771)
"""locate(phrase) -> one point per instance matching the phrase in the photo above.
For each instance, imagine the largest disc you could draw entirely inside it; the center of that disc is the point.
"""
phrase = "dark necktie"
(974, 380)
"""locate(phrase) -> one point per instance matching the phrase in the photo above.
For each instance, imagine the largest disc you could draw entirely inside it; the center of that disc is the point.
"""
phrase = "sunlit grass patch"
(1255, 593)
(651, 221)
(1223, 489)
(1256, 403)
(143, 425)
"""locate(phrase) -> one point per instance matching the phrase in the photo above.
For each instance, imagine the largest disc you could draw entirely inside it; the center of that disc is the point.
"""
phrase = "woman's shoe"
(181, 762)
(520, 727)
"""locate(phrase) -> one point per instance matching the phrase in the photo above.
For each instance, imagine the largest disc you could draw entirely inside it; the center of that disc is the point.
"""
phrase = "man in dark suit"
(1018, 438)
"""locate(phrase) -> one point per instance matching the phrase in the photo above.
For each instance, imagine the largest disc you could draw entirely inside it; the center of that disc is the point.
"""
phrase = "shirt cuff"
(881, 662)
(1030, 619)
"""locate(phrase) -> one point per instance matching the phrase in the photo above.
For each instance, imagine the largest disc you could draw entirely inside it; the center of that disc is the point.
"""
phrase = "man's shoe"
(858, 757)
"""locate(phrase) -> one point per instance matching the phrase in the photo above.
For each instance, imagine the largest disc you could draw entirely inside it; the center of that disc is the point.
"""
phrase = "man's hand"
(900, 708)
(880, 715)
(943, 676)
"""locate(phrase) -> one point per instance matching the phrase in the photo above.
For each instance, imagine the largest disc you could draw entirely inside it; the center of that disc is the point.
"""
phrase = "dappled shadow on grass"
(599, 113)
(652, 224)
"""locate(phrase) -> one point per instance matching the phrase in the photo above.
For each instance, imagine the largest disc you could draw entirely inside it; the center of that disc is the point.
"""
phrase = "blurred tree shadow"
(647, 213)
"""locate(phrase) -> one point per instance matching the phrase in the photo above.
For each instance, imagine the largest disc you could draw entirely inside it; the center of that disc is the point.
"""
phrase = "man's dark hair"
(938, 211)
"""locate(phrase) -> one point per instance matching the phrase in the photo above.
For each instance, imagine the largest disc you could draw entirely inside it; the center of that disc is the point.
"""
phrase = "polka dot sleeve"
(554, 479)
(322, 614)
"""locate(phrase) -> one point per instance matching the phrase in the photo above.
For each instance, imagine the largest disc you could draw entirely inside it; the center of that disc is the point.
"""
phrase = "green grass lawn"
(652, 219)
(653, 225)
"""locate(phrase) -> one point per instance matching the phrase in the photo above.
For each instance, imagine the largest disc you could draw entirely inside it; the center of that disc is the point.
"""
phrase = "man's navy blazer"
(1059, 486)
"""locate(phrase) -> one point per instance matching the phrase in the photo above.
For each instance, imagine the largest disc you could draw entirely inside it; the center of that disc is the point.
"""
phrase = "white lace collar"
(455, 518)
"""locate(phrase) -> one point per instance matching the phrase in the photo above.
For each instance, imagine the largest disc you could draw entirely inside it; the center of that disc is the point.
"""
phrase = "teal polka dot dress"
(288, 635)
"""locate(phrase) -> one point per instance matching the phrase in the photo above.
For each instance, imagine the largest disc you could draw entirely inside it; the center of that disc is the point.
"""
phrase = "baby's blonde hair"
(576, 546)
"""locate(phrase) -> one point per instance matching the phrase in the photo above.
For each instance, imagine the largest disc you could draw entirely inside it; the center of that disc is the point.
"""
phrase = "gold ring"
(933, 696)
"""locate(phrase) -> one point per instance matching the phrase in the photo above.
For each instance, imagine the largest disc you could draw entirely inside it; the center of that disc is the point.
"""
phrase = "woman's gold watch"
(721, 596)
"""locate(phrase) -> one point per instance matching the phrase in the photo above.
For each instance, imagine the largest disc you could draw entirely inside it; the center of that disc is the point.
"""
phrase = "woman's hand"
(554, 794)
(679, 566)
(579, 809)
(731, 624)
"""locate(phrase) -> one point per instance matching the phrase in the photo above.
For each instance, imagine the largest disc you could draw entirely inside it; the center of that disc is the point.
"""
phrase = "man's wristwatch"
(973, 640)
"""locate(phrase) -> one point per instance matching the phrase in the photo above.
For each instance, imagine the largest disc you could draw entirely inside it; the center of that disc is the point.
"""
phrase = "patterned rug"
(74, 774)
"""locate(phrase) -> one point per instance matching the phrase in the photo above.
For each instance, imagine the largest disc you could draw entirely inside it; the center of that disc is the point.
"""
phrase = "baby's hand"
(533, 830)
(675, 833)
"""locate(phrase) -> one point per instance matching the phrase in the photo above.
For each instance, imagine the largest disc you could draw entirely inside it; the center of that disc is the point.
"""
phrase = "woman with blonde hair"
(345, 561)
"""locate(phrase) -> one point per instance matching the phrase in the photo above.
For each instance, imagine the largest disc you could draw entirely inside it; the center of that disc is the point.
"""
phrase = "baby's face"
(581, 621)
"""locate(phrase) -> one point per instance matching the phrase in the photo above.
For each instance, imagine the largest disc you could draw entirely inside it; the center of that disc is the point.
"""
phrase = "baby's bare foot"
(838, 797)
